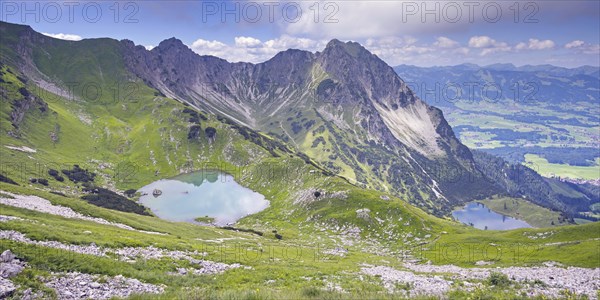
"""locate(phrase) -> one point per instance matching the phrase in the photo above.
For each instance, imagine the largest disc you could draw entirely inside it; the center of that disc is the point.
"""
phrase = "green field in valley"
(542, 166)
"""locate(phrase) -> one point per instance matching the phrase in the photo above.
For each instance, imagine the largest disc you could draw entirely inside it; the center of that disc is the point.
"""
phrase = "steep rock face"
(356, 77)
(241, 91)
(365, 81)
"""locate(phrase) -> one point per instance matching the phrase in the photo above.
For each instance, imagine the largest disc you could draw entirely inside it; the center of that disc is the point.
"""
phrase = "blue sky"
(425, 33)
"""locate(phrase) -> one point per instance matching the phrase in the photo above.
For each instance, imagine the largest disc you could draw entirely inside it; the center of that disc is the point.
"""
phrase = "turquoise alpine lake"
(200, 194)
(481, 217)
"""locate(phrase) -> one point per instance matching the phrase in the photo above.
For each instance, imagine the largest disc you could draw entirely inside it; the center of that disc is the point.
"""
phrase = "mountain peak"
(333, 43)
(337, 49)
(171, 43)
(350, 47)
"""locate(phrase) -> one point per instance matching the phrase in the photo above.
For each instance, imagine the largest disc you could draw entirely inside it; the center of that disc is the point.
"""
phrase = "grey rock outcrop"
(7, 288)
(10, 267)
(83, 286)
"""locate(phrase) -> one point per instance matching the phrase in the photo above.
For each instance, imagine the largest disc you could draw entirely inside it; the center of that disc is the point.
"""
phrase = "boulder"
(7, 256)
(10, 270)
(7, 288)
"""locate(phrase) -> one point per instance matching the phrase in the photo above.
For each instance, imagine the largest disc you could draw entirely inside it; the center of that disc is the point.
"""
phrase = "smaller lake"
(200, 194)
(480, 216)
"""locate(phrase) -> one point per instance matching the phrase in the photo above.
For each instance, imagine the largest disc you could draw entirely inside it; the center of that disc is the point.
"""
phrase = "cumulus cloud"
(574, 44)
(408, 50)
(582, 47)
(286, 42)
(394, 50)
(249, 49)
(149, 47)
(488, 45)
(64, 36)
(481, 41)
(206, 45)
(244, 41)
(444, 42)
(535, 44)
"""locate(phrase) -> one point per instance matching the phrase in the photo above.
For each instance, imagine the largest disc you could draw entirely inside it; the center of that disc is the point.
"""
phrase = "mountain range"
(442, 86)
(344, 107)
(343, 110)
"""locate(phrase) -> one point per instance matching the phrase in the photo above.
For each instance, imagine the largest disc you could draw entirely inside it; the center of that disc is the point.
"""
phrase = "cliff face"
(353, 77)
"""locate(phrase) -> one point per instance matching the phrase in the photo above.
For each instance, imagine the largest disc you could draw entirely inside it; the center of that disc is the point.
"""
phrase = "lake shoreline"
(480, 216)
(208, 195)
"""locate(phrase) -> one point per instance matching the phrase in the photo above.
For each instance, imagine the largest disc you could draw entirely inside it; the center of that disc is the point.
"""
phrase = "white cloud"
(574, 44)
(488, 45)
(481, 42)
(394, 50)
(64, 36)
(149, 47)
(249, 49)
(583, 47)
(201, 44)
(535, 44)
(444, 42)
(407, 50)
(286, 42)
(243, 41)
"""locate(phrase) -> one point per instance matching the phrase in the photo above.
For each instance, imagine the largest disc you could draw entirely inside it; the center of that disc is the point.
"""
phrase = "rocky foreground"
(74, 285)
(71, 285)
(430, 280)
(84, 286)
(9, 267)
